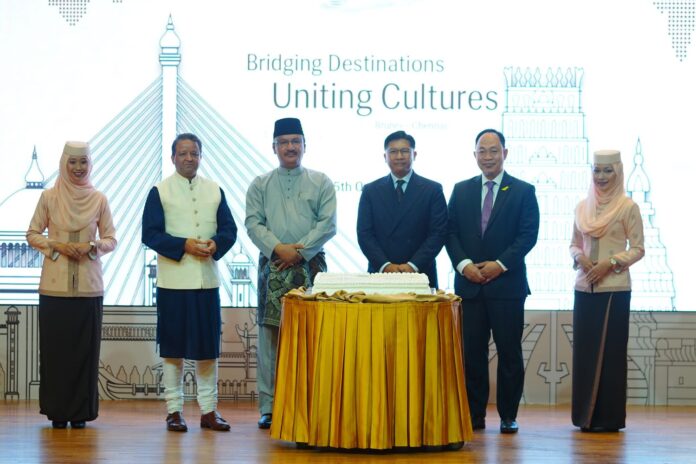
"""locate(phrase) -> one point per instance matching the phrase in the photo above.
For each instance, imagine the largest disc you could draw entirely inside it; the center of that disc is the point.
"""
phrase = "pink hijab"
(75, 204)
(610, 204)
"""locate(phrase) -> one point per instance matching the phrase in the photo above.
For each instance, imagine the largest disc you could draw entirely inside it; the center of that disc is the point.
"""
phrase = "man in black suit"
(402, 218)
(493, 224)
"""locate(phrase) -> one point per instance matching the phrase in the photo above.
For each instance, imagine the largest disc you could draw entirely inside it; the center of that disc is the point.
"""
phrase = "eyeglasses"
(396, 151)
(285, 143)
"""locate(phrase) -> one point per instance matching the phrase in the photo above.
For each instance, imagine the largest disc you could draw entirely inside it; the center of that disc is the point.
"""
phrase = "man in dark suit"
(402, 218)
(493, 224)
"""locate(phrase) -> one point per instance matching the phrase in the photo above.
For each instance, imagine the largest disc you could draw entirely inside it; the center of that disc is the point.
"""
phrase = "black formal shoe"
(265, 421)
(457, 445)
(59, 424)
(509, 426)
(78, 424)
(478, 423)
(176, 422)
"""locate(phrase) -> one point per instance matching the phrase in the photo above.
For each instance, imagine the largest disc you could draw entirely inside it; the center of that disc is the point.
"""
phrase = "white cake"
(383, 283)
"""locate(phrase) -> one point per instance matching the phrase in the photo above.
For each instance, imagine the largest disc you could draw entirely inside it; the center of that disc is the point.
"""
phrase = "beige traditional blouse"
(623, 241)
(60, 275)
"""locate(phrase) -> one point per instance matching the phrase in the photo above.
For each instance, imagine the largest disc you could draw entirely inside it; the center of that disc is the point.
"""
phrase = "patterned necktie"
(400, 189)
(487, 206)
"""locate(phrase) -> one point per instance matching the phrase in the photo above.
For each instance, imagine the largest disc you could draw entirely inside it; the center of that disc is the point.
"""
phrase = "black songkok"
(287, 126)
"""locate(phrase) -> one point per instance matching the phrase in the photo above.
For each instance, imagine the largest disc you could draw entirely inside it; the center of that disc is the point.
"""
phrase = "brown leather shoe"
(176, 422)
(214, 421)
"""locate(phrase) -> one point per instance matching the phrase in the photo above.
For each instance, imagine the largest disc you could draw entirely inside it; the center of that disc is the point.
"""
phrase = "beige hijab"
(74, 205)
(595, 214)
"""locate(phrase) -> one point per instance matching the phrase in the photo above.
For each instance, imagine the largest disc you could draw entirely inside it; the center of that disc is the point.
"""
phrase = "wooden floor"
(134, 432)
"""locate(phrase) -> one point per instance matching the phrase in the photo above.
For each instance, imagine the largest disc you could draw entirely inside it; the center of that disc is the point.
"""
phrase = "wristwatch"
(615, 265)
(92, 246)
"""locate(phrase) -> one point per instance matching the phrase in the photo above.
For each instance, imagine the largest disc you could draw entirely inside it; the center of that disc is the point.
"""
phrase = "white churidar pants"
(206, 379)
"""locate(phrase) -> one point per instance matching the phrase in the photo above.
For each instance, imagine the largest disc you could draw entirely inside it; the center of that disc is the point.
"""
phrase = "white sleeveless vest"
(190, 211)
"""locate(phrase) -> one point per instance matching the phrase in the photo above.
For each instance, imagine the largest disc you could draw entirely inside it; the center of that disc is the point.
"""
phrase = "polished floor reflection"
(135, 431)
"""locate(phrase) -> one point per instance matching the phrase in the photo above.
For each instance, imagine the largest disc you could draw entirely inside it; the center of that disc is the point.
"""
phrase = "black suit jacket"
(413, 230)
(511, 233)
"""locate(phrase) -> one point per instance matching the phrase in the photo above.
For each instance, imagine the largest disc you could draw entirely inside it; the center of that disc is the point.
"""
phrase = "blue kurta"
(188, 321)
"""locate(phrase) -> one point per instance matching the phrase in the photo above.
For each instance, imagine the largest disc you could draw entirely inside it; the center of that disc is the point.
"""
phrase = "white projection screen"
(559, 79)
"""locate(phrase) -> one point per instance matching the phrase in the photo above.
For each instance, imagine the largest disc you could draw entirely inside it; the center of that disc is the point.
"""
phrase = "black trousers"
(504, 319)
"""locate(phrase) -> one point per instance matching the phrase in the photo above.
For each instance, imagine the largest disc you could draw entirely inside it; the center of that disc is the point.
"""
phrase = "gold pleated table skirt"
(370, 375)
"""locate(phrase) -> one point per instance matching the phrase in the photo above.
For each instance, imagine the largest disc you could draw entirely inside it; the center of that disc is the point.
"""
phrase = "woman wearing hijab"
(607, 240)
(71, 288)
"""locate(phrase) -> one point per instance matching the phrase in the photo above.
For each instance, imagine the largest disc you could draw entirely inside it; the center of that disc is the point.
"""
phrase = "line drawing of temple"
(544, 126)
(545, 133)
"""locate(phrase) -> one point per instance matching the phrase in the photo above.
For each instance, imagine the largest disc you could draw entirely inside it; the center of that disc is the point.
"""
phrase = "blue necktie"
(487, 206)
(400, 189)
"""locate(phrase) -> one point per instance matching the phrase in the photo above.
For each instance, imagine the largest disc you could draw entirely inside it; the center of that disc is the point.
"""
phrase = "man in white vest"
(188, 223)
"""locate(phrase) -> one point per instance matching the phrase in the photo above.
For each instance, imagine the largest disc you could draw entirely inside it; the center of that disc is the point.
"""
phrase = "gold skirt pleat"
(371, 376)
